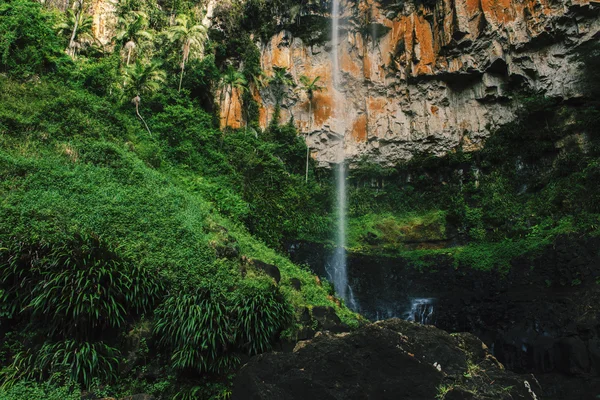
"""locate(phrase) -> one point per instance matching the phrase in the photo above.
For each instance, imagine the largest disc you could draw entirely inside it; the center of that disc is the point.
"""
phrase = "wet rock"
(533, 319)
(459, 394)
(594, 348)
(328, 320)
(391, 359)
(573, 356)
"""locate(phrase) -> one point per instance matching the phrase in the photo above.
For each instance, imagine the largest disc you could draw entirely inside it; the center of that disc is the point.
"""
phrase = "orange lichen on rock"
(377, 104)
(231, 111)
(280, 54)
(349, 64)
(423, 49)
(323, 107)
(498, 12)
(472, 7)
(367, 67)
(359, 129)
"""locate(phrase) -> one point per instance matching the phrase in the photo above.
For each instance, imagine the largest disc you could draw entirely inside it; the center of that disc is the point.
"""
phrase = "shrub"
(196, 328)
(28, 44)
(258, 315)
(80, 361)
(39, 391)
(205, 331)
(76, 288)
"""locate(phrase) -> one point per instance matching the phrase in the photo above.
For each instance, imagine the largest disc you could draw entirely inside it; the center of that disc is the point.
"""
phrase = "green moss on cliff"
(532, 181)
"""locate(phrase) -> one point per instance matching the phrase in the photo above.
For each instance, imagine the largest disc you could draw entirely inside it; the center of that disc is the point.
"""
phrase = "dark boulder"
(296, 284)
(328, 320)
(574, 358)
(391, 359)
(269, 269)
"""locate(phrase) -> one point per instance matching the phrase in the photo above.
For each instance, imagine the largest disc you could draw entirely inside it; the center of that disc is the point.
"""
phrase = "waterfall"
(421, 311)
(335, 40)
(338, 268)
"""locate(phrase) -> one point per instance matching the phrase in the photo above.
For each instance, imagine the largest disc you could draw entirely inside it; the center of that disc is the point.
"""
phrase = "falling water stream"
(338, 266)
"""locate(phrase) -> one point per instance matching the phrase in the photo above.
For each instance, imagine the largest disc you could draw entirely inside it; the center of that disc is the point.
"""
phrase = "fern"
(77, 288)
(206, 331)
(80, 361)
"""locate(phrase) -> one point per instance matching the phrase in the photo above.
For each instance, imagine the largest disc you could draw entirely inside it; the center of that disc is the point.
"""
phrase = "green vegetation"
(129, 222)
(531, 182)
(46, 390)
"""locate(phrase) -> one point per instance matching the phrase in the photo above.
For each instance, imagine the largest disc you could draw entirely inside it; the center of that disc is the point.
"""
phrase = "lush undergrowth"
(131, 227)
(96, 234)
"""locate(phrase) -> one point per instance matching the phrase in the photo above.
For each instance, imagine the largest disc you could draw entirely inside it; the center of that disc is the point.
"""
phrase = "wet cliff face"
(426, 76)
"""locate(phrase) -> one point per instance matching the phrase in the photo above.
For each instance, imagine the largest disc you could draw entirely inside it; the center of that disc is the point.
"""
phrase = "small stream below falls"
(376, 288)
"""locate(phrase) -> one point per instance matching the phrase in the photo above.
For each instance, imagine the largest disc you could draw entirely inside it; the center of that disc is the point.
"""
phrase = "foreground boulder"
(391, 359)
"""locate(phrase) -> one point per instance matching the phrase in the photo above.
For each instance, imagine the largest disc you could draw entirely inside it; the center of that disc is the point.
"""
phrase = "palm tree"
(280, 81)
(310, 86)
(143, 79)
(77, 25)
(190, 35)
(133, 30)
(232, 79)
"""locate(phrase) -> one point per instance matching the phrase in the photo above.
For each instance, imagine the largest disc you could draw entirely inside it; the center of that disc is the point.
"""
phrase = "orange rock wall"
(434, 80)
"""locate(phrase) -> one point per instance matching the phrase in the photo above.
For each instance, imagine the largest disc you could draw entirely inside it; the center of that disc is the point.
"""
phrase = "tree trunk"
(137, 111)
(181, 77)
(129, 55)
(75, 26)
(306, 139)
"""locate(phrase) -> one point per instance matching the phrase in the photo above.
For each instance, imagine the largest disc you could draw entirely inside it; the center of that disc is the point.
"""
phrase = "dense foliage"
(129, 220)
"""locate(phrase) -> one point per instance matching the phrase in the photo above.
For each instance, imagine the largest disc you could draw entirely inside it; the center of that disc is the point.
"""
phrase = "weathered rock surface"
(542, 317)
(427, 76)
(416, 76)
(391, 359)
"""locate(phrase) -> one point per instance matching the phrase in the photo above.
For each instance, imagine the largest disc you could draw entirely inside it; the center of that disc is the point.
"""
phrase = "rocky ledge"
(391, 359)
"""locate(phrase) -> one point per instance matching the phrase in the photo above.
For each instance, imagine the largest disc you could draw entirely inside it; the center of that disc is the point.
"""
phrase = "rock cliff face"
(427, 75)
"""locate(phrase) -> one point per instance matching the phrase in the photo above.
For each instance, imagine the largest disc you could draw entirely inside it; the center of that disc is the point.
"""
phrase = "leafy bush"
(196, 328)
(80, 361)
(205, 331)
(28, 44)
(39, 391)
(258, 315)
(76, 288)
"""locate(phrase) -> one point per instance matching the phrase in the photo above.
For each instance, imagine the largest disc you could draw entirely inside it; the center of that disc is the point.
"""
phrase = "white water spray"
(339, 273)
(421, 311)
(335, 40)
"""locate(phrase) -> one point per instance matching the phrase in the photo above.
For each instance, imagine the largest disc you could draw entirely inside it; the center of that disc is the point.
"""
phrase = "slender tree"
(191, 37)
(78, 28)
(143, 79)
(310, 86)
(232, 79)
(133, 30)
(71, 48)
